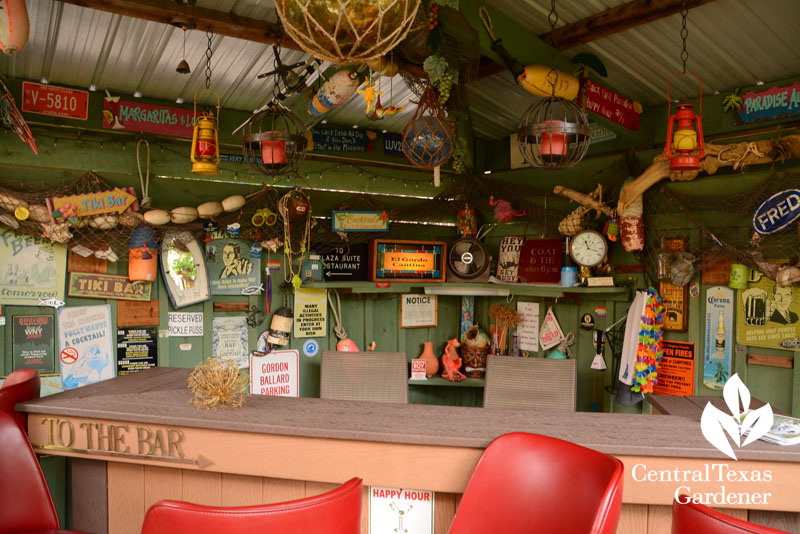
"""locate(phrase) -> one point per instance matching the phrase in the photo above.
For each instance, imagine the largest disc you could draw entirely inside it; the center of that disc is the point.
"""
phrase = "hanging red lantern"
(685, 146)
(205, 140)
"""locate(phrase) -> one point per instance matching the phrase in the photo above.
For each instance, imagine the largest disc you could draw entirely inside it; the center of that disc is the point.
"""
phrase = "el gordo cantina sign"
(777, 212)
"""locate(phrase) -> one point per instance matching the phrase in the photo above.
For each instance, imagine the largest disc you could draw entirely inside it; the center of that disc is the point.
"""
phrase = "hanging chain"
(684, 35)
(552, 17)
(209, 53)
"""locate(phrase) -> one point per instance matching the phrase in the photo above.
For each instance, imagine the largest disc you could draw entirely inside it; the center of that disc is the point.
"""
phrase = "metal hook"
(252, 316)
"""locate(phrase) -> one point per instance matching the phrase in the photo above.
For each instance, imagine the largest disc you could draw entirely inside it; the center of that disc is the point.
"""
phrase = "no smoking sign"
(69, 355)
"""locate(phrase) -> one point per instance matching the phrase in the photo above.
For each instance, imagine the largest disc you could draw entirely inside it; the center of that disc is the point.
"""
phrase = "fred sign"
(777, 212)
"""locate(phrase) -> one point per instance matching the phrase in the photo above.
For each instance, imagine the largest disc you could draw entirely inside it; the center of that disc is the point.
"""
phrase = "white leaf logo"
(715, 423)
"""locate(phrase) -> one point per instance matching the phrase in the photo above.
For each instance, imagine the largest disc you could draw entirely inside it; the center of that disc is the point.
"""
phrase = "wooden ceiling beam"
(220, 23)
(615, 20)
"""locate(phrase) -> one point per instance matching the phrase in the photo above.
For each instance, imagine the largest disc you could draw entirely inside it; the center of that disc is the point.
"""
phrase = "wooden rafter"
(615, 20)
(220, 23)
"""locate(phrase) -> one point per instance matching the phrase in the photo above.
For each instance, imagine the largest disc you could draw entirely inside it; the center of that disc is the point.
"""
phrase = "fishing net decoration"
(719, 224)
(541, 214)
(99, 238)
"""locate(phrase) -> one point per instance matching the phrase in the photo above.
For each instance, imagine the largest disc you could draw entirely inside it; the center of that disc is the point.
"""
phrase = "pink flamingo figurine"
(451, 362)
(503, 211)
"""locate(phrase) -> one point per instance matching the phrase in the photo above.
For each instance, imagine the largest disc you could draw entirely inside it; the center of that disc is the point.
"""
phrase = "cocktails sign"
(773, 103)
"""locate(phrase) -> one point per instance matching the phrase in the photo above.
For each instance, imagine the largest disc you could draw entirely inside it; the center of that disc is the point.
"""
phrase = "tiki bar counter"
(400, 266)
(138, 436)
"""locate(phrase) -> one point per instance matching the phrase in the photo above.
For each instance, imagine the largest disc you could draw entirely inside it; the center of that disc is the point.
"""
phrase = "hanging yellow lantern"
(205, 141)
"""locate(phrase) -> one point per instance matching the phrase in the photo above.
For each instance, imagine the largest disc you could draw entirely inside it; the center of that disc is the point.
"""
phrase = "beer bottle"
(720, 344)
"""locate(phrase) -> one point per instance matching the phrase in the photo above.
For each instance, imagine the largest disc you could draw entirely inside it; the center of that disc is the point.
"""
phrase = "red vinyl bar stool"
(25, 502)
(527, 483)
(689, 517)
(335, 512)
(19, 386)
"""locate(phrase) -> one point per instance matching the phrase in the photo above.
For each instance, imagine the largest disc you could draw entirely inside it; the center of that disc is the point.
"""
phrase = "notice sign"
(33, 337)
(311, 311)
(676, 372)
(528, 326)
(398, 510)
(418, 311)
(137, 349)
(276, 373)
(185, 324)
(550, 334)
(55, 101)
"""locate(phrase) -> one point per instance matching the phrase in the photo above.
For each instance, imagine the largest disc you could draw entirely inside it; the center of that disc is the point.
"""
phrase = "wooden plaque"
(397, 260)
(107, 286)
(132, 313)
(716, 269)
(676, 306)
(675, 244)
(91, 264)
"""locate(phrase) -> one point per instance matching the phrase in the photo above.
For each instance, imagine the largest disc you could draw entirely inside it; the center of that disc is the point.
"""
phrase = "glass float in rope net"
(347, 31)
(429, 138)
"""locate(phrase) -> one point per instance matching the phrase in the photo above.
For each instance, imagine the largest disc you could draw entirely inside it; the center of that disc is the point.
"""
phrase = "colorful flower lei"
(649, 350)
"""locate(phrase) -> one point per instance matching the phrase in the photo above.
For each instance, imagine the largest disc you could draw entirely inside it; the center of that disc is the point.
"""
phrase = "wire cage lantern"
(429, 138)
(553, 134)
(274, 141)
(347, 31)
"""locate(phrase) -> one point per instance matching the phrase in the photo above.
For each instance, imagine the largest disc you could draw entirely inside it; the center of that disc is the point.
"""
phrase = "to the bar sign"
(55, 101)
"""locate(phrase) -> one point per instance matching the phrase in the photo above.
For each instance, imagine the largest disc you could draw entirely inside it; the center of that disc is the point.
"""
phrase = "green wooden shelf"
(533, 290)
(443, 382)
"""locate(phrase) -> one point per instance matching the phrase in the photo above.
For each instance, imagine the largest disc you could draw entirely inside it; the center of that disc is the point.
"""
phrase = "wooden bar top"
(160, 396)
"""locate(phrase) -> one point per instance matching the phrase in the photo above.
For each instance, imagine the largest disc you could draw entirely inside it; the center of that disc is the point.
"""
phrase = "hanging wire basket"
(553, 134)
(347, 31)
(429, 138)
(274, 141)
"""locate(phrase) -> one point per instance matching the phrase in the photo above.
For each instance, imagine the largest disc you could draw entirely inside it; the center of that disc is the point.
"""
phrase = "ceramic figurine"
(451, 362)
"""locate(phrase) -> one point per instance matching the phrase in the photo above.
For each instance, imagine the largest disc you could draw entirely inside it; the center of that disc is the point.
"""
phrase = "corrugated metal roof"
(731, 43)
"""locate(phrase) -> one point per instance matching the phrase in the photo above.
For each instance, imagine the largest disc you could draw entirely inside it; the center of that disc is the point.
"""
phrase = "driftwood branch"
(588, 201)
(735, 155)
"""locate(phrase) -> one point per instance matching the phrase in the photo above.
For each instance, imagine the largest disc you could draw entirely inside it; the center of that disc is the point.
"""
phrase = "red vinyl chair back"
(335, 512)
(689, 517)
(19, 386)
(531, 483)
(25, 503)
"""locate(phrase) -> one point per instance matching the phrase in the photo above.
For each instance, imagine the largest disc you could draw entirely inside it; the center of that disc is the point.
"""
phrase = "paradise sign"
(773, 103)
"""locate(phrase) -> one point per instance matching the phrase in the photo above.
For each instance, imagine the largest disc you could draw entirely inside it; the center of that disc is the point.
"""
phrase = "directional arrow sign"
(114, 201)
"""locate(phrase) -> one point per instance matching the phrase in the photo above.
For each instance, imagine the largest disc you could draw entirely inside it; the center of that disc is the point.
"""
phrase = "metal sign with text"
(55, 101)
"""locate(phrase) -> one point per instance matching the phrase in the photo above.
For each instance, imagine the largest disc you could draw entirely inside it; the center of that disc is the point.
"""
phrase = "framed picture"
(418, 310)
(184, 268)
(407, 261)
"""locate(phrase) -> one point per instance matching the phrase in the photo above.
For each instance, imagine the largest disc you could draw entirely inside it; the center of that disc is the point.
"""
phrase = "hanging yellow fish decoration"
(540, 80)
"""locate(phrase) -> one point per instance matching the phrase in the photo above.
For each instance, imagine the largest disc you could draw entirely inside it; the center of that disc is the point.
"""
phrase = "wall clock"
(588, 248)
